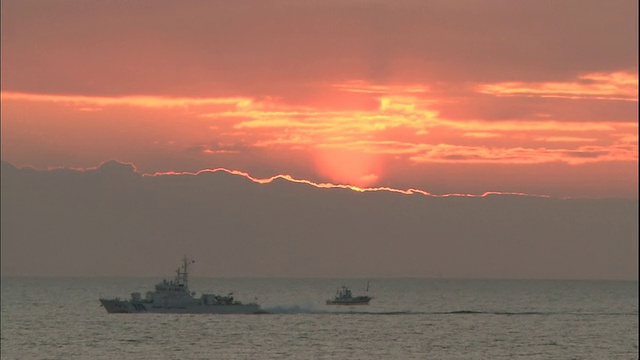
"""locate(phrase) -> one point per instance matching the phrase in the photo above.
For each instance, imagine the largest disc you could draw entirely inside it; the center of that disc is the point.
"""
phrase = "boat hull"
(116, 306)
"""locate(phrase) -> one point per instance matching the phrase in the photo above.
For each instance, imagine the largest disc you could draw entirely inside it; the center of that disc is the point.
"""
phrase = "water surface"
(55, 318)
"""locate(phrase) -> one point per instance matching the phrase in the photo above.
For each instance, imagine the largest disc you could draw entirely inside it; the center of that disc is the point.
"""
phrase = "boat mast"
(183, 276)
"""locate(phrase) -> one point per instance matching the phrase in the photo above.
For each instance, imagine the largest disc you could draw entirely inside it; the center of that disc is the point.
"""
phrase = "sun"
(348, 167)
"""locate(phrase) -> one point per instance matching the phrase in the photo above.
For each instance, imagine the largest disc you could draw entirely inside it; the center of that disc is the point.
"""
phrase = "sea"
(409, 318)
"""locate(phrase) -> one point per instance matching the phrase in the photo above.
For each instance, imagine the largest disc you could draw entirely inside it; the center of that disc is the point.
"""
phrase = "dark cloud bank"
(113, 221)
(276, 48)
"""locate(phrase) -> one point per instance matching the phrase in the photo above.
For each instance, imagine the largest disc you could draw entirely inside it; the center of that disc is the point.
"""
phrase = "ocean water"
(61, 318)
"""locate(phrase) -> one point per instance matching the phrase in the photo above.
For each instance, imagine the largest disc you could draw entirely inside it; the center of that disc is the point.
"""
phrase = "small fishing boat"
(345, 297)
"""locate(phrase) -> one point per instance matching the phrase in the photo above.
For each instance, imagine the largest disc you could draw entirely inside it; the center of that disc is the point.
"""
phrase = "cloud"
(616, 86)
(566, 139)
(255, 49)
(132, 100)
(404, 124)
(103, 221)
(444, 153)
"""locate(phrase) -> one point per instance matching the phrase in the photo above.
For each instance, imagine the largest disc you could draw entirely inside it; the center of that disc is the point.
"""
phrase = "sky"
(446, 97)
(422, 138)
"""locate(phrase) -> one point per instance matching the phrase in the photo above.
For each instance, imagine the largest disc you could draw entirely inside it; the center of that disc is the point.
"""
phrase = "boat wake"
(296, 309)
(293, 309)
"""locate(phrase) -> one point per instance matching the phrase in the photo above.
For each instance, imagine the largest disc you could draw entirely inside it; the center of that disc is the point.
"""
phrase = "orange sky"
(446, 97)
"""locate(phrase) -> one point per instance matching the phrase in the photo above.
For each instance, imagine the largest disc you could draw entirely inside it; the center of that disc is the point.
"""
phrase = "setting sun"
(348, 167)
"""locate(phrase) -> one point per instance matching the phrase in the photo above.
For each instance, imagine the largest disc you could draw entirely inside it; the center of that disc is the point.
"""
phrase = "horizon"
(259, 277)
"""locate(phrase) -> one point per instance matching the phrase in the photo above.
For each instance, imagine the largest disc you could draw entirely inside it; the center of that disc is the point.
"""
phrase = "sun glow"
(348, 167)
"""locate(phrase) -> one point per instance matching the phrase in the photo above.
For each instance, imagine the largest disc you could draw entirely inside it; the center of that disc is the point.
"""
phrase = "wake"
(296, 309)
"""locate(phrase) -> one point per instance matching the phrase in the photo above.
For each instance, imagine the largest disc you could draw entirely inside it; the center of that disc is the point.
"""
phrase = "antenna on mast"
(183, 276)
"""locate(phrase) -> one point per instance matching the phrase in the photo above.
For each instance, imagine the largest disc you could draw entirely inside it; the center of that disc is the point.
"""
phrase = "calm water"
(60, 318)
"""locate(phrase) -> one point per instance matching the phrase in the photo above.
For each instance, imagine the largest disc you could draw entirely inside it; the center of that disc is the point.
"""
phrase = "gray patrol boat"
(174, 297)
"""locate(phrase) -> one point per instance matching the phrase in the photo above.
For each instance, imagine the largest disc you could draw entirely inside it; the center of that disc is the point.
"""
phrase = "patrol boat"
(344, 297)
(174, 297)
